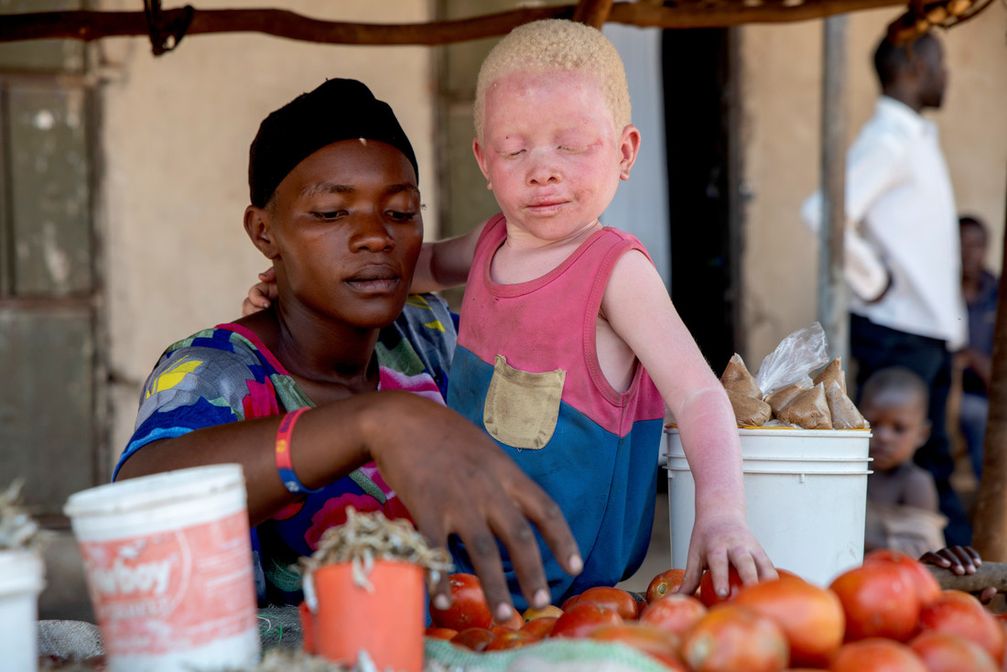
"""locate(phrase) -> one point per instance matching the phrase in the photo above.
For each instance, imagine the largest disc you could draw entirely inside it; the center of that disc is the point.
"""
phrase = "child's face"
(551, 152)
(898, 425)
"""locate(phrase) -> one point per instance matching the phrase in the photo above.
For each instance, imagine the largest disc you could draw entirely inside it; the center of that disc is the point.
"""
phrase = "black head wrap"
(339, 109)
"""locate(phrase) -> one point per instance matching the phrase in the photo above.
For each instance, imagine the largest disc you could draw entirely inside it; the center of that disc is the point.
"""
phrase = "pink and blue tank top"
(526, 370)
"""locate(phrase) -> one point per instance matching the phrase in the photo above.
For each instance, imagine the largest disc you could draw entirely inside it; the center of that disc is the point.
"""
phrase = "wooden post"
(990, 537)
(593, 12)
(832, 310)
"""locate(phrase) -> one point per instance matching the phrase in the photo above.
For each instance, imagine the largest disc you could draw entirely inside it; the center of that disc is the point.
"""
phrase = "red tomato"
(675, 613)
(876, 655)
(580, 619)
(943, 652)
(510, 639)
(540, 628)
(616, 599)
(733, 638)
(476, 639)
(468, 605)
(878, 600)
(569, 602)
(927, 588)
(958, 613)
(665, 583)
(441, 633)
(709, 597)
(810, 617)
(515, 622)
(655, 643)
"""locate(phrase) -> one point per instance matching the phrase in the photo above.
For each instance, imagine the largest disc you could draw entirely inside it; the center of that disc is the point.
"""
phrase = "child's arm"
(640, 311)
(445, 263)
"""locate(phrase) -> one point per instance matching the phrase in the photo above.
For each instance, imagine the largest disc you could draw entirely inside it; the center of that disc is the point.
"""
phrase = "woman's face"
(346, 231)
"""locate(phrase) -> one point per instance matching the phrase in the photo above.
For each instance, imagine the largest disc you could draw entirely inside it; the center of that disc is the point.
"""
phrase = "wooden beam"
(990, 537)
(593, 12)
(93, 25)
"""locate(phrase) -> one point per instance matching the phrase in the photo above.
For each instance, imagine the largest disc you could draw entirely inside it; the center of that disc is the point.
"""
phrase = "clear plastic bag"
(796, 357)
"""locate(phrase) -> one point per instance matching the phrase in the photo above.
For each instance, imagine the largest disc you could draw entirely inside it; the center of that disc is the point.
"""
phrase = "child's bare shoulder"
(918, 487)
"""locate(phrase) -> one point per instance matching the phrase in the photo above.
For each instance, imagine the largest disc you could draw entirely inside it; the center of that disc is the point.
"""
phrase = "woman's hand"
(455, 480)
(719, 540)
(260, 295)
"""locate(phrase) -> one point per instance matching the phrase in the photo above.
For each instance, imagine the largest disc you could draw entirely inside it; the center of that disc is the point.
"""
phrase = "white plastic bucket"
(169, 568)
(21, 581)
(805, 494)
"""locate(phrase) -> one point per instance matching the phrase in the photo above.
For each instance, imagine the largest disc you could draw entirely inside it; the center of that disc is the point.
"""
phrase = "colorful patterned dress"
(226, 374)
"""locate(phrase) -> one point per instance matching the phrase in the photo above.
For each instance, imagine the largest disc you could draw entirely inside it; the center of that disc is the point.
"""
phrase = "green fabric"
(559, 655)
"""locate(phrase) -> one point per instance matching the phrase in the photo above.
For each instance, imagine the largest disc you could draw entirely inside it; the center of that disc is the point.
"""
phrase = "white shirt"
(900, 215)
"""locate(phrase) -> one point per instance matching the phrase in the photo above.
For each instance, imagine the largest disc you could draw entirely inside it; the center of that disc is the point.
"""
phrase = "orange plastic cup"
(386, 622)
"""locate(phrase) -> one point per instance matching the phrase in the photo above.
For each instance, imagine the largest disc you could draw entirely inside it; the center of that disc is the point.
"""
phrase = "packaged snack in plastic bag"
(808, 409)
(795, 358)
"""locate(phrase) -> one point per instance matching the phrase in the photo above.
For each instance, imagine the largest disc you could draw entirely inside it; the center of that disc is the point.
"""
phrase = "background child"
(901, 497)
(569, 346)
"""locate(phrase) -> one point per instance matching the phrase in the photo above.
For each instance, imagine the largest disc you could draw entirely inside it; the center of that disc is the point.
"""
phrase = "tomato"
(440, 633)
(540, 628)
(944, 652)
(569, 602)
(655, 643)
(476, 639)
(674, 613)
(468, 605)
(810, 617)
(510, 639)
(927, 588)
(580, 619)
(550, 611)
(665, 583)
(515, 622)
(878, 600)
(958, 613)
(876, 655)
(731, 638)
(709, 597)
(616, 599)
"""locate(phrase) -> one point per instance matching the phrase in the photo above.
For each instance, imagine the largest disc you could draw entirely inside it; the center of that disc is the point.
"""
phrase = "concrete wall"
(173, 186)
(781, 89)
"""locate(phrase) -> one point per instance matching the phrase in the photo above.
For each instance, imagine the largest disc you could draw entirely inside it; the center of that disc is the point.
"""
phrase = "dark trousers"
(876, 347)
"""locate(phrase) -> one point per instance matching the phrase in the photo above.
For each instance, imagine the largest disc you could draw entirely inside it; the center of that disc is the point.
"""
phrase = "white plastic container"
(805, 493)
(169, 568)
(21, 581)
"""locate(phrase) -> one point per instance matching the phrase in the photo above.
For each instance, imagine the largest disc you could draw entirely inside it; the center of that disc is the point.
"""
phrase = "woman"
(336, 208)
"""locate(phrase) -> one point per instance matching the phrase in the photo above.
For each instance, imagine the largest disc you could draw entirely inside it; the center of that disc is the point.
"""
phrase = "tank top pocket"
(522, 407)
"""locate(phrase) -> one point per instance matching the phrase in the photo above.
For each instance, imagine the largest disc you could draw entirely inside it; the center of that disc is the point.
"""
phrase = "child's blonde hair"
(557, 44)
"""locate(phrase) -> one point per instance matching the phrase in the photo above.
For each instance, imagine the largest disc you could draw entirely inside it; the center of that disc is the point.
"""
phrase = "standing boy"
(569, 346)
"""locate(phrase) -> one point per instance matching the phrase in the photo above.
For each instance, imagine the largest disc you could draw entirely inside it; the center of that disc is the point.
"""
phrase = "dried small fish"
(17, 528)
(366, 537)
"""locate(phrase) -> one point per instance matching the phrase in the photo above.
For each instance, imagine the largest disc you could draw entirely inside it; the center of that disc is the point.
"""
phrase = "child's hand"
(261, 294)
(718, 541)
(960, 560)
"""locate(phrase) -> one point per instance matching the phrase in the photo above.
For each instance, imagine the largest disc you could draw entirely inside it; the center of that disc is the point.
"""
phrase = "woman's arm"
(449, 475)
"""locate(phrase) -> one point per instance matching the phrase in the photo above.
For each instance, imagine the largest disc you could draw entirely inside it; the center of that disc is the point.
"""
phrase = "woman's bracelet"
(284, 465)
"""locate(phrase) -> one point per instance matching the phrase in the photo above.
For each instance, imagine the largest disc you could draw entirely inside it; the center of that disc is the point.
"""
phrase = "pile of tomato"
(888, 615)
